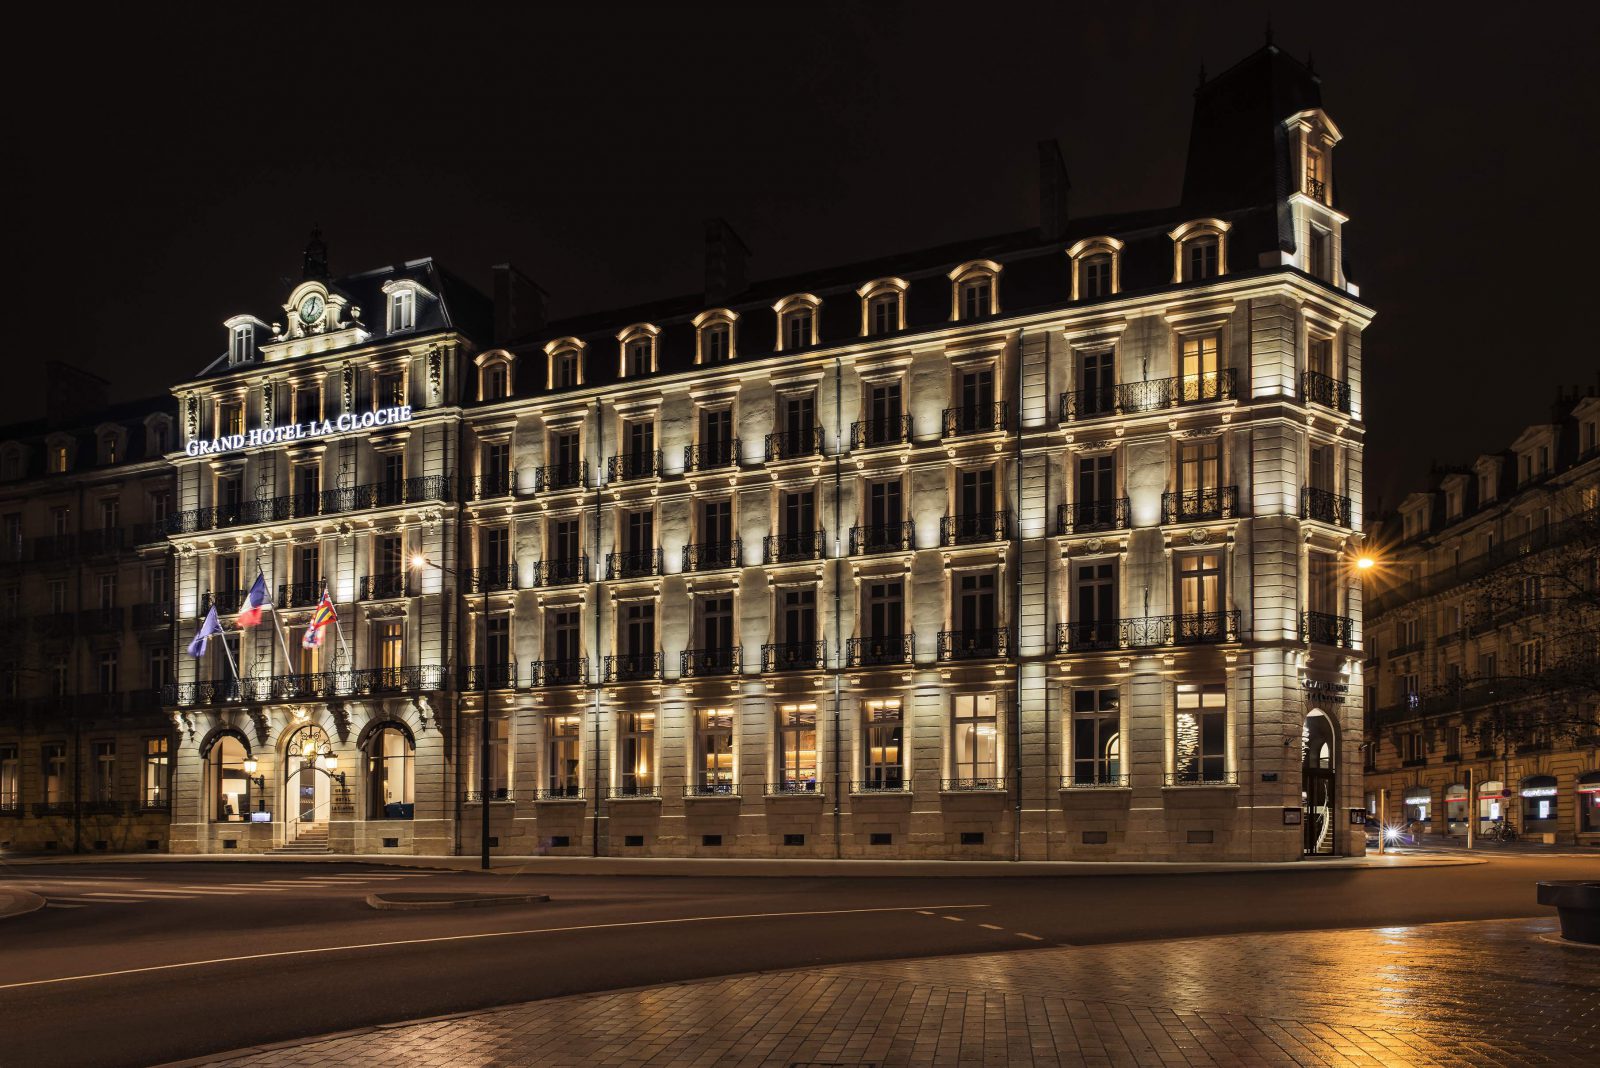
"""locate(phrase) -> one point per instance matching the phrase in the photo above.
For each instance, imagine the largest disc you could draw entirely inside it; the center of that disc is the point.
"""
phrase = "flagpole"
(227, 652)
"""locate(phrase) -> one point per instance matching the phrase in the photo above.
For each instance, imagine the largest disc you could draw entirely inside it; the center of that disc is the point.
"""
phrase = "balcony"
(712, 456)
(1317, 388)
(885, 651)
(1221, 502)
(492, 577)
(494, 484)
(564, 792)
(986, 643)
(705, 663)
(882, 538)
(101, 542)
(713, 555)
(643, 791)
(561, 572)
(1132, 398)
(1084, 517)
(1316, 188)
(794, 656)
(630, 466)
(1201, 777)
(1414, 762)
(303, 505)
(495, 794)
(794, 444)
(551, 478)
(155, 614)
(635, 563)
(712, 789)
(975, 419)
(54, 548)
(1088, 635)
(873, 433)
(1095, 781)
(382, 587)
(100, 620)
(298, 594)
(1199, 628)
(476, 677)
(793, 788)
(980, 784)
(789, 548)
(149, 533)
(888, 781)
(573, 671)
(325, 684)
(1324, 506)
(1321, 628)
(53, 624)
(975, 529)
(221, 600)
(633, 667)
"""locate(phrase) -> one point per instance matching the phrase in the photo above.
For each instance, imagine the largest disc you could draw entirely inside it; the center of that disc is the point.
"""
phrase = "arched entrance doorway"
(1492, 801)
(1317, 784)
(308, 791)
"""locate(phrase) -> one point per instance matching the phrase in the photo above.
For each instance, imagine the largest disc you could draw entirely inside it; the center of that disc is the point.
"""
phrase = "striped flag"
(319, 620)
(254, 601)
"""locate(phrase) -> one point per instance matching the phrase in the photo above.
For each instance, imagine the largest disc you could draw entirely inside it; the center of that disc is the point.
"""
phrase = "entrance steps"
(311, 839)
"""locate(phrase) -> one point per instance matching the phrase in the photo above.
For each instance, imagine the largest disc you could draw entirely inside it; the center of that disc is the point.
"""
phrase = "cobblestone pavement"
(1482, 993)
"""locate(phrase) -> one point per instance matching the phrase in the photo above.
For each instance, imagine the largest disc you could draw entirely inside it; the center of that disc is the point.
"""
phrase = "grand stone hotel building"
(1033, 546)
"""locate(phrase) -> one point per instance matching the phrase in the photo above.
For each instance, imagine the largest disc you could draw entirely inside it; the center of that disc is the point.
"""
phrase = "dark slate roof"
(130, 415)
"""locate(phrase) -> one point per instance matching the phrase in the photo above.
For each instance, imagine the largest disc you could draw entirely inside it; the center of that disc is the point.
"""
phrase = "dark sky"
(170, 166)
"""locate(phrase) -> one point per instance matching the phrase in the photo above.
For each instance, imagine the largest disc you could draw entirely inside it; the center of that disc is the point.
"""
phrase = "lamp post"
(420, 562)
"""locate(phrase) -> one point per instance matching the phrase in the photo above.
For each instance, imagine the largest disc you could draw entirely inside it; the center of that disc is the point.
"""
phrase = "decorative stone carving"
(341, 719)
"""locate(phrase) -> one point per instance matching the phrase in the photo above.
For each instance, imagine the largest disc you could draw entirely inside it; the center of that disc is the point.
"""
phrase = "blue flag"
(211, 625)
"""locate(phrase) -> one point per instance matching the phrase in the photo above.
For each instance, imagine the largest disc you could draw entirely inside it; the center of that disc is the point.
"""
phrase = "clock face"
(311, 308)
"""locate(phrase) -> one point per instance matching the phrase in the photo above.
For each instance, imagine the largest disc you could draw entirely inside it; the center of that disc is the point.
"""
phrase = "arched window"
(1589, 802)
(714, 336)
(1492, 801)
(391, 773)
(638, 350)
(1096, 268)
(566, 363)
(1539, 803)
(797, 321)
(883, 306)
(974, 290)
(1455, 809)
(230, 781)
(1199, 250)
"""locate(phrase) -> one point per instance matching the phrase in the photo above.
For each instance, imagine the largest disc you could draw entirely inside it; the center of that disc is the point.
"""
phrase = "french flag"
(254, 601)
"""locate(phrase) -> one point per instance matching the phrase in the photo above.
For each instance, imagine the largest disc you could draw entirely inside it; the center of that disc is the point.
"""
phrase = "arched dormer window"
(883, 306)
(158, 435)
(1313, 136)
(403, 301)
(494, 375)
(715, 336)
(974, 291)
(1096, 268)
(13, 461)
(566, 363)
(58, 453)
(1200, 250)
(243, 338)
(797, 321)
(638, 350)
(109, 444)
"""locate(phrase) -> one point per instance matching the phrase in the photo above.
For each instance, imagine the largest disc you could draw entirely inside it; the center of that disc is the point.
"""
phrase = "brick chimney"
(519, 304)
(72, 393)
(1054, 187)
(726, 260)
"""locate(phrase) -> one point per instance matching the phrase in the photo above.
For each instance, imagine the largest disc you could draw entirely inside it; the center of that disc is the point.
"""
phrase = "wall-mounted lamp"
(250, 766)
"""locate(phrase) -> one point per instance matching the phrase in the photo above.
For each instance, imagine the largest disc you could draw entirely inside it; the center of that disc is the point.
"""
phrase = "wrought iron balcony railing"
(54, 547)
(633, 667)
(1316, 188)
(298, 594)
(882, 781)
(882, 538)
(384, 586)
(100, 620)
(1085, 635)
(415, 679)
(1201, 776)
(793, 787)
(492, 577)
(1082, 517)
(494, 484)
(1098, 780)
(301, 505)
(494, 794)
(1318, 388)
(101, 542)
(712, 788)
(981, 644)
(572, 671)
(489, 677)
(154, 614)
(794, 444)
(883, 651)
(975, 419)
(1220, 502)
(566, 791)
(221, 600)
(641, 790)
(1322, 628)
(1131, 398)
(628, 466)
(794, 656)
(1198, 628)
(871, 433)
(1324, 506)
(975, 529)
(561, 572)
(634, 563)
(787, 548)
(711, 456)
(699, 663)
(573, 474)
(973, 784)
(712, 555)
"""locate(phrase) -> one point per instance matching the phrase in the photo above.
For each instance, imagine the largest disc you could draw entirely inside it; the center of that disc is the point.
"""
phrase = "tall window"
(230, 797)
(716, 522)
(307, 402)
(798, 620)
(158, 664)
(1199, 368)
(714, 750)
(1199, 583)
(636, 755)
(497, 383)
(1319, 356)
(402, 310)
(564, 540)
(883, 608)
(637, 356)
(157, 773)
(1322, 583)
(976, 612)
(388, 640)
(1097, 378)
(1096, 738)
(10, 779)
(1320, 254)
(244, 343)
(1096, 276)
(715, 344)
(716, 622)
(1097, 491)
(110, 513)
(563, 646)
(230, 417)
(564, 372)
(106, 671)
(639, 445)
(497, 647)
(797, 328)
(1200, 734)
(883, 734)
(884, 507)
(104, 787)
(53, 765)
(639, 629)
(1199, 469)
(562, 750)
(797, 747)
(1199, 259)
(389, 389)
(977, 297)
(975, 494)
(391, 775)
(499, 784)
(1095, 622)
(106, 590)
(883, 314)
(975, 741)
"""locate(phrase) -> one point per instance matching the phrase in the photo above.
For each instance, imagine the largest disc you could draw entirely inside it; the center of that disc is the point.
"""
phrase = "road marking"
(924, 912)
(957, 919)
(1031, 938)
(991, 927)
(118, 899)
(477, 937)
(182, 893)
(61, 905)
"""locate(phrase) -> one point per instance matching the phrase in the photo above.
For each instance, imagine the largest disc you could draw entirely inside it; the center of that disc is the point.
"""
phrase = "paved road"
(167, 961)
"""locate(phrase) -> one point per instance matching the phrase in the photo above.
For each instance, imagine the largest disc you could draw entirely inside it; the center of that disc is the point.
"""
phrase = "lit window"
(402, 310)
(157, 773)
(391, 774)
(636, 753)
(1096, 738)
(562, 743)
(244, 344)
(1200, 734)
(797, 748)
(714, 751)
(883, 756)
(975, 742)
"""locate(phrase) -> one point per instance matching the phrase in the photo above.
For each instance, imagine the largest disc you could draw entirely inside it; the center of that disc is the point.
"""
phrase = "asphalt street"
(134, 964)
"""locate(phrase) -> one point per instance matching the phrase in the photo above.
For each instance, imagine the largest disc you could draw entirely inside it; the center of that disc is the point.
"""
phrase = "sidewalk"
(772, 868)
(1482, 993)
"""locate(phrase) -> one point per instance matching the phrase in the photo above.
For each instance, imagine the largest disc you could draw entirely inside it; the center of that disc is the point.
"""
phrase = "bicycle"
(1502, 831)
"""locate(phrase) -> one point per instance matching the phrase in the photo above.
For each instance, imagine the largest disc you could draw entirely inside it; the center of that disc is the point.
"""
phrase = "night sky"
(169, 168)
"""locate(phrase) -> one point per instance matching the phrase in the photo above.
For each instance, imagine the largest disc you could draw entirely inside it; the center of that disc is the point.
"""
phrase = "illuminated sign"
(1539, 791)
(317, 428)
(1332, 692)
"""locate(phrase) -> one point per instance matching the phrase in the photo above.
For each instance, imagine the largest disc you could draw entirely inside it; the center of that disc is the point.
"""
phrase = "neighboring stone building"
(1486, 621)
(85, 622)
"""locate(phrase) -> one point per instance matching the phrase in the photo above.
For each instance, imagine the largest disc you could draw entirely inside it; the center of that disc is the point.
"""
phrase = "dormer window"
(713, 339)
(494, 382)
(159, 435)
(58, 457)
(566, 363)
(638, 350)
(1200, 250)
(797, 321)
(494, 375)
(1200, 259)
(402, 310)
(975, 290)
(11, 464)
(1316, 173)
(883, 307)
(243, 349)
(109, 453)
(1096, 268)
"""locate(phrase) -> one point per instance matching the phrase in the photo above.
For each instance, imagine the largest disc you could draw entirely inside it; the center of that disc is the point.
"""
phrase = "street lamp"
(420, 562)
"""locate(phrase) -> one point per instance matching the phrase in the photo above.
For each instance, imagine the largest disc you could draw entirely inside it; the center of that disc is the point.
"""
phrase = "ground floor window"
(1096, 738)
(1419, 806)
(797, 747)
(636, 753)
(391, 774)
(230, 798)
(1539, 803)
(975, 741)
(883, 736)
(1492, 805)
(1455, 809)
(714, 749)
(105, 771)
(10, 778)
(1589, 802)
(561, 749)
(1200, 734)
(157, 773)
(53, 763)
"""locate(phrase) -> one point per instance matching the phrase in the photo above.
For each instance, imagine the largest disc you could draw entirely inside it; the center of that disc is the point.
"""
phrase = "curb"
(476, 901)
(19, 903)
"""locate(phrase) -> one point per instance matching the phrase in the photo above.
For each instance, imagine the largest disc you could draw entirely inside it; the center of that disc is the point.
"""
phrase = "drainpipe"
(1016, 605)
(599, 436)
(452, 664)
(838, 595)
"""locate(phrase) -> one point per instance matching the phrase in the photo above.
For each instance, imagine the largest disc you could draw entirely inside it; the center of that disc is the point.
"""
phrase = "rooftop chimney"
(726, 260)
(315, 263)
(519, 304)
(1054, 187)
(72, 393)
